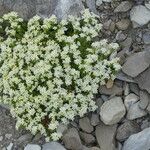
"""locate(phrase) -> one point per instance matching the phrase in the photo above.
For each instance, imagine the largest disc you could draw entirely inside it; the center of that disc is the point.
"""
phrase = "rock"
(24, 139)
(123, 77)
(32, 147)
(92, 6)
(8, 136)
(127, 43)
(135, 112)
(120, 36)
(105, 136)
(53, 146)
(29, 8)
(145, 124)
(123, 24)
(72, 140)
(146, 37)
(99, 2)
(9, 147)
(123, 6)
(99, 103)
(107, 1)
(95, 119)
(144, 99)
(115, 90)
(1, 138)
(62, 128)
(139, 141)
(87, 138)
(136, 63)
(147, 5)
(126, 129)
(109, 83)
(85, 125)
(139, 15)
(126, 89)
(95, 148)
(143, 80)
(134, 88)
(112, 111)
(130, 100)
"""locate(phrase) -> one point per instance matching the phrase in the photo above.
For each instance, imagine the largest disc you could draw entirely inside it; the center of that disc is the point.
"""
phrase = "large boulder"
(43, 8)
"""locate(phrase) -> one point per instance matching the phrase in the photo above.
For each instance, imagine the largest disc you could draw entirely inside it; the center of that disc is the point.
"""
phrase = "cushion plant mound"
(50, 70)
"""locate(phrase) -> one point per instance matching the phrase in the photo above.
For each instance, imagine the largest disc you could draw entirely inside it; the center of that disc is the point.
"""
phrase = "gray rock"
(135, 112)
(126, 129)
(10, 146)
(134, 88)
(139, 15)
(115, 90)
(32, 147)
(85, 125)
(144, 99)
(92, 6)
(143, 80)
(146, 37)
(68, 7)
(99, 2)
(123, 6)
(139, 141)
(130, 100)
(147, 5)
(123, 24)
(145, 124)
(112, 111)
(136, 63)
(53, 146)
(24, 139)
(120, 36)
(105, 136)
(95, 119)
(72, 140)
(95, 148)
(123, 77)
(87, 138)
(43, 8)
(107, 1)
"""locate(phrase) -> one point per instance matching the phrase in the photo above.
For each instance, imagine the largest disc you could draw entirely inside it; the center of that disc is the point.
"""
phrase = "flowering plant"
(50, 70)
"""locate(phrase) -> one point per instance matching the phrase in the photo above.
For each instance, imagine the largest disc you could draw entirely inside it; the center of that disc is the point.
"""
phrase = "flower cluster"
(50, 70)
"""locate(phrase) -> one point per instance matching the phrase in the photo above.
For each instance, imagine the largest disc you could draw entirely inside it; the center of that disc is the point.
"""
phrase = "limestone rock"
(143, 80)
(139, 15)
(126, 129)
(130, 100)
(72, 140)
(135, 112)
(112, 111)
(85, 125)
(53, 146)
(136, 63)
(105, 136)
(32, 147)
(123, 6)
(139, 141)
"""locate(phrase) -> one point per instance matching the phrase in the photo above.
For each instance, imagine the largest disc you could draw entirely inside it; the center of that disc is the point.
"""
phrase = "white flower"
(51, 70)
